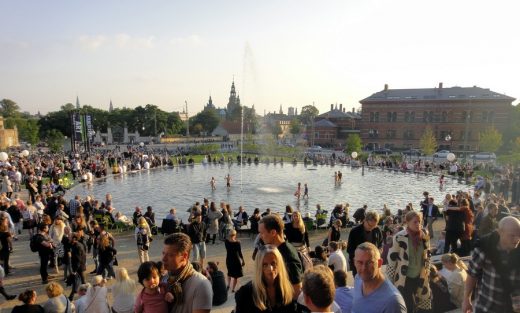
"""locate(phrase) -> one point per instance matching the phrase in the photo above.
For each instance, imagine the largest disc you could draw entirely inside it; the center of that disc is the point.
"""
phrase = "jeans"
(108, 267)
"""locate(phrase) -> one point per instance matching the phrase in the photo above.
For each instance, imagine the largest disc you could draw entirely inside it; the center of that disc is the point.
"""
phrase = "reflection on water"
(264, 186)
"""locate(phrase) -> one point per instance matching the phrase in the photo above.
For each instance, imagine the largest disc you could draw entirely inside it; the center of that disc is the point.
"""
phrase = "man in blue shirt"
(344, 293)
(373, 293)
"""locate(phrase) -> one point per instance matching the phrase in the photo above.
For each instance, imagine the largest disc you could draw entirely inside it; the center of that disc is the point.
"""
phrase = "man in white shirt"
(337, 260)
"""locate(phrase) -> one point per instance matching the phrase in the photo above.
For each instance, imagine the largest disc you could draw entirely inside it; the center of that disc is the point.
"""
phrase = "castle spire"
(281, 111)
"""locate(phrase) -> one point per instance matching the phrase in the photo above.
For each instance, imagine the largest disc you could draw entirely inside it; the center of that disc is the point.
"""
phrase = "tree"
(208, 118)
(490, 140)
(353, 143)
(308, 114)
(295, 127)
(428, 142)
(55, 140)
(276, 130)
(9, 108)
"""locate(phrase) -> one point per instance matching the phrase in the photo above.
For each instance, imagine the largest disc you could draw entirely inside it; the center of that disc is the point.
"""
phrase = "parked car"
(441, 154)
(483, 156)
(383, 151)
(412, 152)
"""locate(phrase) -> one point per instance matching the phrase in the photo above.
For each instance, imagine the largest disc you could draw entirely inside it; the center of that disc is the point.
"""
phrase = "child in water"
(153, 298)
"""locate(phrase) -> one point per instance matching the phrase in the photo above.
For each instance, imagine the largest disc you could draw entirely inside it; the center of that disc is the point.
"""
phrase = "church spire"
(77, 103)
(110, 107)
(281, 111)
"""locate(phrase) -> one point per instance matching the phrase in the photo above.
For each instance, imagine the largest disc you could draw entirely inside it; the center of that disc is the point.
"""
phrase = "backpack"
(34, 243)
(142, 237)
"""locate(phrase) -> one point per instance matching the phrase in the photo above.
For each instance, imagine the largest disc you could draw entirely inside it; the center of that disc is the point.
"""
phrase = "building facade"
(397, 118)
(8, 137)
(332, 128)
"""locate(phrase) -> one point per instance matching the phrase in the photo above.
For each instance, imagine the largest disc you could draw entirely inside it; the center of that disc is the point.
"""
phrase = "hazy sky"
(291, 53)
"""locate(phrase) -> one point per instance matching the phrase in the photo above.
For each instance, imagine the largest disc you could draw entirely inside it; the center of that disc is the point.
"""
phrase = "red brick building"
(332, 128)
(397, 118)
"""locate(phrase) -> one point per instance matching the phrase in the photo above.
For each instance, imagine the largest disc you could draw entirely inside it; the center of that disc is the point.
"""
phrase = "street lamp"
(448, 140)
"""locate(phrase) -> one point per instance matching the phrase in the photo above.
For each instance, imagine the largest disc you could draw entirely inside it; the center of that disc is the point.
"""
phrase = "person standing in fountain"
(213, 183)
(228, 181)
(305, 191)
(298, 192)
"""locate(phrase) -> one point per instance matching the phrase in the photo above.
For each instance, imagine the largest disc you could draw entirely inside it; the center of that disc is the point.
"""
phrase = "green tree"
(55, 140)
(295, 127)
(428, 143)
(308, 114)
(353, 143)
(9, 108)
(208, 118)
(28, 129)
(490, 139)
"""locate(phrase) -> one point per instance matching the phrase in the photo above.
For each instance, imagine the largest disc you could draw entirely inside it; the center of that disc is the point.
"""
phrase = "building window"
(376, 117)
(484, 116)
(444, 116)
(491, 117)
(317, 135)
(408, 134)
(391, 117)
(390, 134)
(407, 116)
(373, 133)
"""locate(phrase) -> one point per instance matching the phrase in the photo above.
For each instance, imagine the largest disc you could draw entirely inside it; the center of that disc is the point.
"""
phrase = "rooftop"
(451, 93)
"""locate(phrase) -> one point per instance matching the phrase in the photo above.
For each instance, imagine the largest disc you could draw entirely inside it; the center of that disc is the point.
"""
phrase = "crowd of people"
(480, 229)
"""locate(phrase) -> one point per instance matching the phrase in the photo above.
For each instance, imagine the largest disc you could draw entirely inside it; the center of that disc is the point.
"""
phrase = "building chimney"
(353, 110)
(440, 85)
(386, 87)
(343, 110)
(341, 107)
(332, 106)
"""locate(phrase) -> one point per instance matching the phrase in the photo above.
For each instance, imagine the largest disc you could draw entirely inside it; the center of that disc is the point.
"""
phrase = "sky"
(288, 53)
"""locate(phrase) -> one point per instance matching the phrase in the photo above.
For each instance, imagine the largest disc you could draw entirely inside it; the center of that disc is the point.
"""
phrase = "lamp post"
(468, 117)
(448, 140)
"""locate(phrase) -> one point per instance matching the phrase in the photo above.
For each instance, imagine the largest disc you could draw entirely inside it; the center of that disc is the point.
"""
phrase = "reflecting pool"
(264, 186)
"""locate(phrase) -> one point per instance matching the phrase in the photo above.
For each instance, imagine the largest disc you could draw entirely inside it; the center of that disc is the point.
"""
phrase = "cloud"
(186, 40)
(91, 43)
(127, 41)
(120, 41)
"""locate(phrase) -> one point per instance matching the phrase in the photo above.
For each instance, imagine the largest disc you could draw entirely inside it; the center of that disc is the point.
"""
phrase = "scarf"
(415, 237)
(175, 283)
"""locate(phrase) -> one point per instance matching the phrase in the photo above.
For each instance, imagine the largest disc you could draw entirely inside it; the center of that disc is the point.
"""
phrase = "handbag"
(116, 263)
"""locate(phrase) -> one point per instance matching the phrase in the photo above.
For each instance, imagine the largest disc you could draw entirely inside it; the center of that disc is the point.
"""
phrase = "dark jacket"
(455, 222)
(357, 237)
(78, 257)
(218, 283)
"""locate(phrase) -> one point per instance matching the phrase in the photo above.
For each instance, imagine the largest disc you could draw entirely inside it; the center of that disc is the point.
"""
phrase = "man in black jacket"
(78, 262)
(197, 233)
(430, 212)
(366, 232)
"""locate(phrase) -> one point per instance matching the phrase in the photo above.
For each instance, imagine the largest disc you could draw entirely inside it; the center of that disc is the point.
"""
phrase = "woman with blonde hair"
(270, 290)
(454, 271)
(56, 232)
(123, 292)
(143, 237)
(234, 260)
(298, 236)
(57, 302)
(408, 265)
(97, 300)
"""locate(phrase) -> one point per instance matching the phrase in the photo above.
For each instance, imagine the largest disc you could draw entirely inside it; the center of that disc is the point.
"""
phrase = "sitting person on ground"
(173, 216)
(337, 259)
(28, 297)
(454, 271)
(123, 219)
(320, 256)
(240, 218)
(218, 283)
(81, 302)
